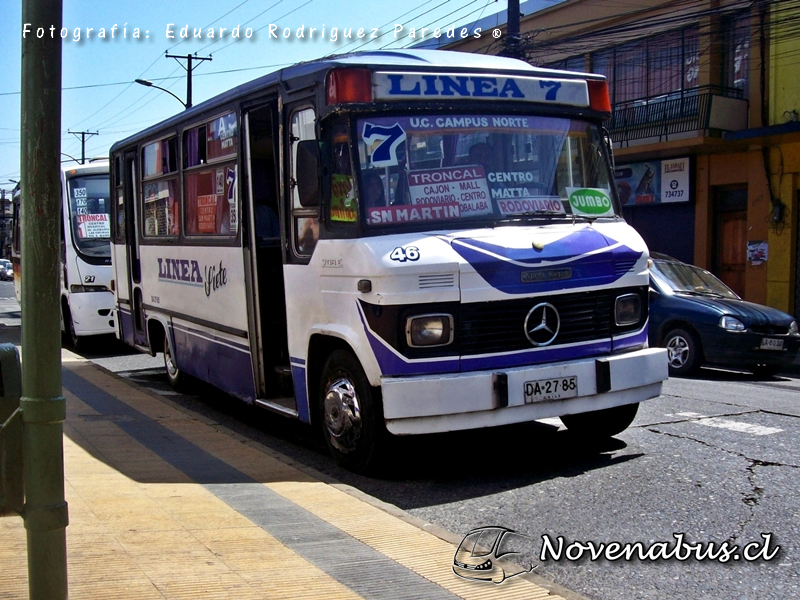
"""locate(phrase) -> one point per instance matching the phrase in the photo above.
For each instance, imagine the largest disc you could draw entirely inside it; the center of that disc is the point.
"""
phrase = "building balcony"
(696, 112)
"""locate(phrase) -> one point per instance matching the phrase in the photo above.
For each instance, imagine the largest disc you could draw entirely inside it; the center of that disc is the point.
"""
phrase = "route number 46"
(401, 254)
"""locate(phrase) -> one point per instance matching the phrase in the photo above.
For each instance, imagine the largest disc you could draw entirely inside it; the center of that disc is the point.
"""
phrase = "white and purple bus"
(383, 243)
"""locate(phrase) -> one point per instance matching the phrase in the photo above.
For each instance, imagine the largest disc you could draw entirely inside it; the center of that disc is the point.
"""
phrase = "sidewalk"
(164, 504)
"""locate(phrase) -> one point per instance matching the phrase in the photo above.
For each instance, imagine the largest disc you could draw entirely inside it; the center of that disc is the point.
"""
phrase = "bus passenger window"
(159, 194)
(194, 147)
(306, 220)
(211, 201)
(308, 235)
(344, 204)
(160, 208)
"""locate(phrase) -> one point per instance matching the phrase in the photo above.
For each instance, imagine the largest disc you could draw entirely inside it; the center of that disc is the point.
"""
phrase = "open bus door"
(134, 271)
(265, 255)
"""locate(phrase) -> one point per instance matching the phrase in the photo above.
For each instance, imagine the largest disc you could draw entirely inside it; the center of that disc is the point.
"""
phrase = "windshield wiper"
(700, 293)
(540, 213)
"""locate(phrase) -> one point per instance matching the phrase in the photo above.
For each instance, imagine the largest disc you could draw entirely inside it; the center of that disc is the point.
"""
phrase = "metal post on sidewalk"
(43, 405)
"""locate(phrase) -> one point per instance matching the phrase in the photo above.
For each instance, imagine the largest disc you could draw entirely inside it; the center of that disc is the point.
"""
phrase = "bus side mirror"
(308, 172)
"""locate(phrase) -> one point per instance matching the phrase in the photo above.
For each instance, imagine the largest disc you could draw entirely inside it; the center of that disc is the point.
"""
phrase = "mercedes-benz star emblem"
(542, 324)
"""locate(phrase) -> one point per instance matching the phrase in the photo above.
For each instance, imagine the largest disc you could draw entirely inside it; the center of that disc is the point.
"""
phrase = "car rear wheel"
(683, 352)
(765, 370)
(601, 423)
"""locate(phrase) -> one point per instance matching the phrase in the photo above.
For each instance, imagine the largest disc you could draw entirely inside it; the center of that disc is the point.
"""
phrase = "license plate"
(771, 344)
(557, 388)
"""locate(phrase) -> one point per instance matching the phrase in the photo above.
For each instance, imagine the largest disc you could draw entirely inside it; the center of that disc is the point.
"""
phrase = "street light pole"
(147, 83)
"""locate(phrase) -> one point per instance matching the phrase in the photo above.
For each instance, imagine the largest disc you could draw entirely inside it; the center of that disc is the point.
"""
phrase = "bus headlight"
(80, 289)
(429, 330)
(628, 309)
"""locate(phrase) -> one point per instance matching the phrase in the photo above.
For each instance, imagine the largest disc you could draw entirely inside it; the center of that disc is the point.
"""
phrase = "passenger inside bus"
(308, 234)
(482, 154)
(265, 203)
(374, 194)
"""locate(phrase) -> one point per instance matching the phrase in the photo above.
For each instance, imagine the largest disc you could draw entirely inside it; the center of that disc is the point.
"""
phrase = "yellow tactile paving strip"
(164, 537)
(156, 536)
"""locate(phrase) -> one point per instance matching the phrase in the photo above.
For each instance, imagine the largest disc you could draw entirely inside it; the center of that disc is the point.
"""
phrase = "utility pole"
(513, 47)
(43, 406)
(3, 224)
(83, 135)
(189, 68)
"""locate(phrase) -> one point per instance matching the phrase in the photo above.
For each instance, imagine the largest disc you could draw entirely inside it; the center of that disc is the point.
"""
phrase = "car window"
(689, 279)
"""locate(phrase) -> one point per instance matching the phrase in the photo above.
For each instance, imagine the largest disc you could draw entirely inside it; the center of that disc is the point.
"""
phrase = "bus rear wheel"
(599, 424)
(353, 429)
(176, 377)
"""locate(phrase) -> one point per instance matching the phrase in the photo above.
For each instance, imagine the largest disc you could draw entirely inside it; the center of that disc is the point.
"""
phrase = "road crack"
(752, 498)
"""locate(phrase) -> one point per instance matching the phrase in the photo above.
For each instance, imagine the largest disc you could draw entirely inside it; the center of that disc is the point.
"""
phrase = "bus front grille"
(487, 327)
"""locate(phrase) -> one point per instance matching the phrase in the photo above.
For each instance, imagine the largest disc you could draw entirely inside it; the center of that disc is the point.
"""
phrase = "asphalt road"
(713, 458)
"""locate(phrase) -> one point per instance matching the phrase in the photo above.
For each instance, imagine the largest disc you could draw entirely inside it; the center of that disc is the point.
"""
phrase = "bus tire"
(599, 424)
(351, 424)
(70, 337)
(177, 378)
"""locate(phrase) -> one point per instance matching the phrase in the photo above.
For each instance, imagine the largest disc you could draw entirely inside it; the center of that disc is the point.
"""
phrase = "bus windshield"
(481, 167)
(89, 215)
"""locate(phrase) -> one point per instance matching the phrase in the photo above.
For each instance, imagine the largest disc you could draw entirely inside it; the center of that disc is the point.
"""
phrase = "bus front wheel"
(604, 423)
(174, 374)
(353, 429)
(70, 337)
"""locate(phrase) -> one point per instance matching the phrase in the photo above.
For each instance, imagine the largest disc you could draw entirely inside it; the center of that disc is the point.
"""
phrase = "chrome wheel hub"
(169, 360)
(342, 414)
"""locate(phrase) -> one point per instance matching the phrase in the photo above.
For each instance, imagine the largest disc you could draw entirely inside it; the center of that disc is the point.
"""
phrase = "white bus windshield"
(89, 207)
(478, 167)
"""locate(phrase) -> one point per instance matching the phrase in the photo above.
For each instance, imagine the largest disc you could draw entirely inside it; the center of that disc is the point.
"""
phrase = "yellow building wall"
(784, 106)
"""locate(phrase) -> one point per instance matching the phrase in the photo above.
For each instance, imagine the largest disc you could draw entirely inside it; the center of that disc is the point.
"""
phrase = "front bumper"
(93, 313)
(743, 349)
(438, 403)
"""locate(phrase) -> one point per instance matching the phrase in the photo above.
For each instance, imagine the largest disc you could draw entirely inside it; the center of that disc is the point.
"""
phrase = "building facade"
(706, 130)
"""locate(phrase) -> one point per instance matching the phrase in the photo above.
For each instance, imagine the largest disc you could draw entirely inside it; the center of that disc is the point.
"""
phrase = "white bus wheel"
(351, 426)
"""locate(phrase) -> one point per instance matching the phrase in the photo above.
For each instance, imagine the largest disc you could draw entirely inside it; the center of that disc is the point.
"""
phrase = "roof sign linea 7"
(427, 86)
